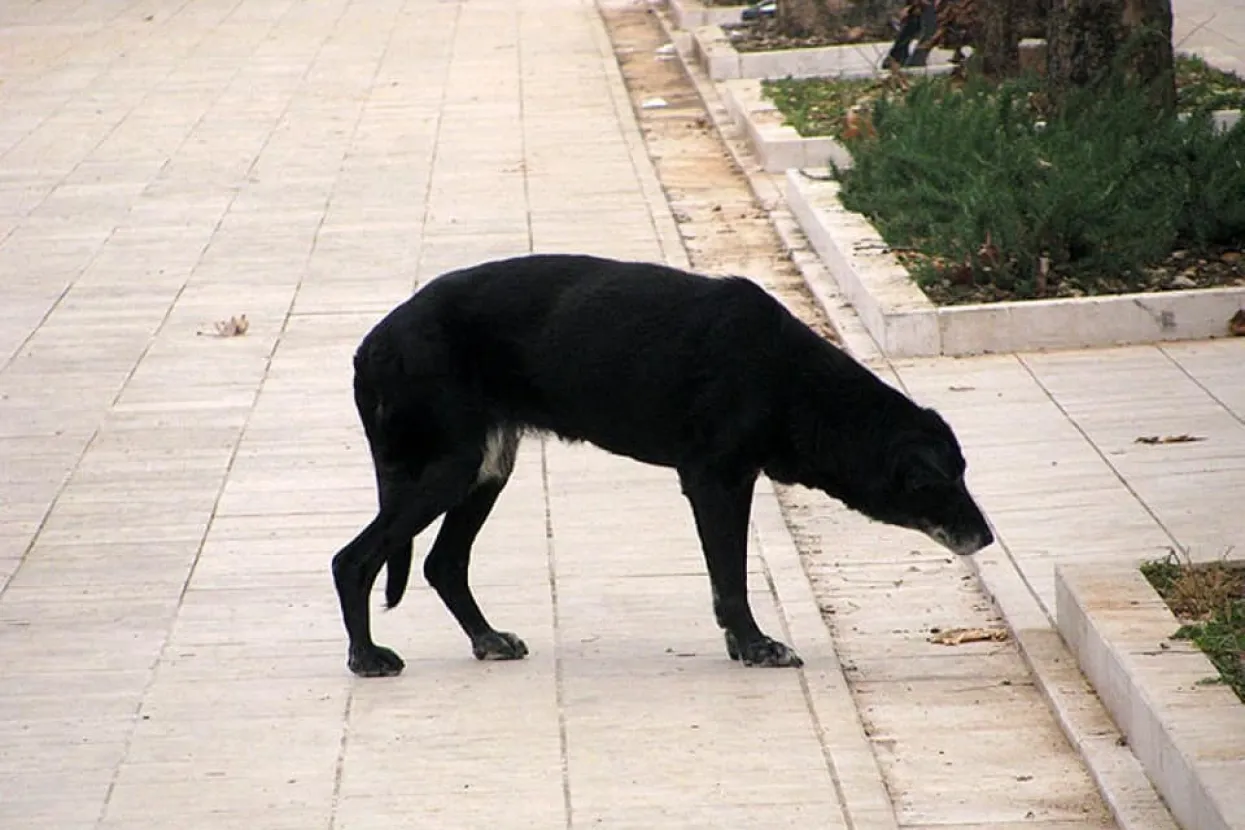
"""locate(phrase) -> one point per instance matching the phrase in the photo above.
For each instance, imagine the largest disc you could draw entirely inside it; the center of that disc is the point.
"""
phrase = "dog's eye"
(921, 479)
(925, 470)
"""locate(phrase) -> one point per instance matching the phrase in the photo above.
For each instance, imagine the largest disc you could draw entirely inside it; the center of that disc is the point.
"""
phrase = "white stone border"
(691, 14)
(1189, 736)
(779, 147)
(722, 61)
(905, 323)
(776, 145)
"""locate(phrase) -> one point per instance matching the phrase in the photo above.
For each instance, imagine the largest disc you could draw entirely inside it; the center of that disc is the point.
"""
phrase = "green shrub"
(986, 191)
(1200, 86)
(1214, 163)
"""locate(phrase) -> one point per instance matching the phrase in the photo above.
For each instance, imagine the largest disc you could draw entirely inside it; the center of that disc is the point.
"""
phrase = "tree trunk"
(1089, 39)
(1081, 41)
(803, 18)
(1000, 38)
(1148, 24)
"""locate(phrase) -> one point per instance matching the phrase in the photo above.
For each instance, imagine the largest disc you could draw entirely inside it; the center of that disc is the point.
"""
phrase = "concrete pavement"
(171, 649)
(1214, 30)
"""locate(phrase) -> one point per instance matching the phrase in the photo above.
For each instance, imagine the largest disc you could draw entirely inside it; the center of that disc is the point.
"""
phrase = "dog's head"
(922, 487)
(904, 468)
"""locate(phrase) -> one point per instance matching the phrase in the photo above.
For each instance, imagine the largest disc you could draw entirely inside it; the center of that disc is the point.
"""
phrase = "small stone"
(1182, 281)
(1230, 257)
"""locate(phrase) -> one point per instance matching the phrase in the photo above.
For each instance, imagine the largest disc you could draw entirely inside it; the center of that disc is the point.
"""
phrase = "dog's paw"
(498, 645)
(763, 652)
(375, 661)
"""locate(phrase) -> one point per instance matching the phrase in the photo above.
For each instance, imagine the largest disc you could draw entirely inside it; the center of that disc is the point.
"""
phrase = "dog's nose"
(975, 543)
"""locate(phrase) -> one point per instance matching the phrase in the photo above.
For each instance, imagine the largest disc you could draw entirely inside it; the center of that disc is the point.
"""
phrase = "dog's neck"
(837, 420)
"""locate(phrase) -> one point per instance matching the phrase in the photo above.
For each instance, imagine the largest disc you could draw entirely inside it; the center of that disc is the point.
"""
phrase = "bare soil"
(765, 35)
(1179, 271)
(724, 230)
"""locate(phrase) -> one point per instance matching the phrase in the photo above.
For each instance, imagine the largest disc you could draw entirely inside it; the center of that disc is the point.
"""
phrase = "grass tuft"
(1209, 599)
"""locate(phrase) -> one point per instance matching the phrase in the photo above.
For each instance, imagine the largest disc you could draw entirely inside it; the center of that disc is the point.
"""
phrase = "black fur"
(712, 377)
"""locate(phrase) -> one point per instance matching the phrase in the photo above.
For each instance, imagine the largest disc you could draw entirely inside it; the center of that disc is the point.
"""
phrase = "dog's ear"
(925, 466)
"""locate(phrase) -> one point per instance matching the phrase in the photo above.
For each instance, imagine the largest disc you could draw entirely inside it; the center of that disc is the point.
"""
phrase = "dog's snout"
(963, 538)
(969, 546)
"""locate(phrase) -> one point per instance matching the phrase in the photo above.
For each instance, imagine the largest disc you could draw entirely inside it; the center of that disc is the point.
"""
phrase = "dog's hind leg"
(446, 566)
(722, 511)
(409, 502)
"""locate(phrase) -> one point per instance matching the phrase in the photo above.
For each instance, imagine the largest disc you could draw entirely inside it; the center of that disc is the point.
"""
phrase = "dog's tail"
(373, 413)
(397, 574)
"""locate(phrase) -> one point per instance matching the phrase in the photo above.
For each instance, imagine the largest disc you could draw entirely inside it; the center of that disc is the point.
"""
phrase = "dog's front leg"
(722, 508)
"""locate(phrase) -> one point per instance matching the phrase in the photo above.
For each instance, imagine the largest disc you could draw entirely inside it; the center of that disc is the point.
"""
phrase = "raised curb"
(777, 145)
(1189, 736)
(722, 61)
(906, 324)
(689, 14)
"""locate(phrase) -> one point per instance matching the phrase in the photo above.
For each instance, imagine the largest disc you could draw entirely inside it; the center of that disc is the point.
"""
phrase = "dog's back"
(625, 355)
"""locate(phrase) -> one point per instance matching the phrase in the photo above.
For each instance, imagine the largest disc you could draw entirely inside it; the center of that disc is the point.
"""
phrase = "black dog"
(712, 377)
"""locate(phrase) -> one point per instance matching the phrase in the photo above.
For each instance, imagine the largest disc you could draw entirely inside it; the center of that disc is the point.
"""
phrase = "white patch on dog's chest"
(500, 446)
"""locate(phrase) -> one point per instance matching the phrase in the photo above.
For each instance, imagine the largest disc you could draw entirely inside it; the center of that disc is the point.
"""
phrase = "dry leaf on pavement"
(233, 327)
(1168, 439)
(956, 636)
(1236, 326)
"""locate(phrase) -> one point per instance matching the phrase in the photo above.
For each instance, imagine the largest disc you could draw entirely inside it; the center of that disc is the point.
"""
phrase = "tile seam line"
(146, 349)
(1162, 347)
(832, 768)
(1100, 453)
(60, 298)
(339, 763)
(558, 669)
(417, 277)
(523, 148)
(233, 455)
